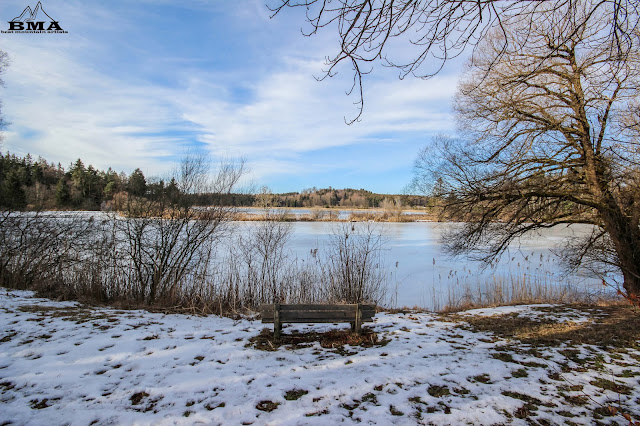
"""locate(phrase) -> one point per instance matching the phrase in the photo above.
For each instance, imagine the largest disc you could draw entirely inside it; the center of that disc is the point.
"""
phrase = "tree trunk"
(626, 241)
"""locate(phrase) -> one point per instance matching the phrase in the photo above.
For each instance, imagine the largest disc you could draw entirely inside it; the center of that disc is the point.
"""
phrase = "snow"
(502, 310)
(531, 311)
(61, 362)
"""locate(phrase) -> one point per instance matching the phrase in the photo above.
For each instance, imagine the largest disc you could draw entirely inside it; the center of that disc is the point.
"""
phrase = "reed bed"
(536, 281)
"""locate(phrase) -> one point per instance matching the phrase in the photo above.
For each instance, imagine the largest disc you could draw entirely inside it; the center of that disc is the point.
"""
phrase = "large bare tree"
(550, 135)
(418, 36)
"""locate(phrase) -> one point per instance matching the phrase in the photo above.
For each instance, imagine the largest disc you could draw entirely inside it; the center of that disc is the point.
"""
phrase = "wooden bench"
(278, 314)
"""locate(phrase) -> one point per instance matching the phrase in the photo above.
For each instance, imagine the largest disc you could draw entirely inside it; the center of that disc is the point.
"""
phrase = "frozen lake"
(341, 213)
(420, 274)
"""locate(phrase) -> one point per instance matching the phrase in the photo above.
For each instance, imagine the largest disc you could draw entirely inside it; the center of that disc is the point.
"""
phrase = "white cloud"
(63, 107)
(291, 112)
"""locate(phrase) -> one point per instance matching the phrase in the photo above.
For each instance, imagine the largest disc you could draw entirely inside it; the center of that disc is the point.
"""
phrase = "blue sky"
(140, 83)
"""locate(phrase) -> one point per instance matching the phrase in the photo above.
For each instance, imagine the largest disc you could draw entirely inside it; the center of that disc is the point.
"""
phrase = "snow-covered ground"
(61, 363)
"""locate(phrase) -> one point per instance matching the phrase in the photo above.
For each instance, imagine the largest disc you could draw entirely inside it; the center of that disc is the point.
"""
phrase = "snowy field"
(62, 363)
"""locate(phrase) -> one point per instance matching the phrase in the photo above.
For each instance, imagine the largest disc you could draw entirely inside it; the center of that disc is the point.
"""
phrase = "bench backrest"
(317, 313)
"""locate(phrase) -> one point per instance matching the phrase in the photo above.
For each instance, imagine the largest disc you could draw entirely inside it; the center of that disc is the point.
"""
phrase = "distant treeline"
(314, 197)
(28, 183)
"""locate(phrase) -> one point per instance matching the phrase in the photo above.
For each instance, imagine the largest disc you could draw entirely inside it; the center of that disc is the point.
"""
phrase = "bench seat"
(278, 314)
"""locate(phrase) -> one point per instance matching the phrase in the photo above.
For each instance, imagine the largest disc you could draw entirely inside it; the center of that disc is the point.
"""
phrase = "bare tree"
(166, 239)
(438, 30)
(549, 140)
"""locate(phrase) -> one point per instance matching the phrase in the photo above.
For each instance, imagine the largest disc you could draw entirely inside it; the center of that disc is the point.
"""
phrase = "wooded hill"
(28, 183)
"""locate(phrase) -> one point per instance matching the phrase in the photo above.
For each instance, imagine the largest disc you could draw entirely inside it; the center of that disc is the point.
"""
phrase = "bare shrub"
(37, 249)
(165, 241)
(259, 261)
(353, 270)
(317, 214)
(260, 268)
(392, 209)
(165, 252)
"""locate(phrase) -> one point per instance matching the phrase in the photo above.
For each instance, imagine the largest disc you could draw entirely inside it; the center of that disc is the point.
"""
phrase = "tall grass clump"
(529, 283)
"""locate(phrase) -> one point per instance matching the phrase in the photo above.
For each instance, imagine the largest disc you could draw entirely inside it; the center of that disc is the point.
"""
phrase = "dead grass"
(267, 406)
(330, 215)
(610, 326)
(332, 339)
(438, 391)
(295, 394)
(138, 397)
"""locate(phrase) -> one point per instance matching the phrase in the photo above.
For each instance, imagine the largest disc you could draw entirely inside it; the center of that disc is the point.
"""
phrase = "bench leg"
(277, 328)
(358, 323)
(277, 325)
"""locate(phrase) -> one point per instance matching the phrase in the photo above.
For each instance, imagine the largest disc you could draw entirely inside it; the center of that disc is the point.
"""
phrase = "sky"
(142, 83)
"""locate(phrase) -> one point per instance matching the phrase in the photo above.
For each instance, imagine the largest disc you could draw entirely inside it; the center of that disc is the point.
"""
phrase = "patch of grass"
(350, 407)
(601, 412)
(532, 364)
(616, 326)
(519, 373)
(628, 374)
(295, 394)
(445, 408)
(38, 404)
(8, 337)
(267, 405)
(7, 385)
(503, 356)
(527, 398)
(611, 386)
(481, 378)
(570, 388)
(417, 400)
(332, 339)
(138, 397)
(555, 375)
(395, 412)
(370, 397)
(438, 391)
(317, 413)
(523, 412)
(78, 314)
(211, 407)
(576, 400)
(150, 404)
(461, 391)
